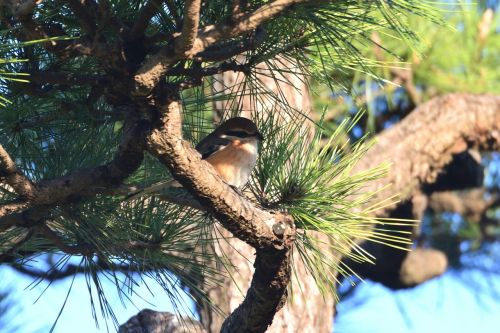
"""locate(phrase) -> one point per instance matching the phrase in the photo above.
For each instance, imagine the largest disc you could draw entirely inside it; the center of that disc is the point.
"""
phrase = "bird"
(232, 149)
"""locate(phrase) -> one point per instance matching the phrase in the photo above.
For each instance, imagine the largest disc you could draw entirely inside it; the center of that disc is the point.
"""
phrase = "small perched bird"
(232, 149)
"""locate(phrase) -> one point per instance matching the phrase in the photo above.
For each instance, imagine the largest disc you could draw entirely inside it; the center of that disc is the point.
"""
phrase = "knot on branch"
(283, 227)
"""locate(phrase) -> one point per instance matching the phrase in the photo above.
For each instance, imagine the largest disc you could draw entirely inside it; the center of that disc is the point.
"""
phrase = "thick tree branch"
(15, 178)
(421, 148)
(82, 183)
(247, 22)
(424, 142)
(266, 295)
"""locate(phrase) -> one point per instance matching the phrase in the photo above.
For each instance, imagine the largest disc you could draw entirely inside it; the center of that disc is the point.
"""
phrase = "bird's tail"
(153, 189)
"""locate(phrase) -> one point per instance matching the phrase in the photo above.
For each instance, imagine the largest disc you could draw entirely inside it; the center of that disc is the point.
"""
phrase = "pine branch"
(419, 156)
(151, 72)
(145, 14)
(247, 22)
(82, 183)
(185, 42)
(15, 178)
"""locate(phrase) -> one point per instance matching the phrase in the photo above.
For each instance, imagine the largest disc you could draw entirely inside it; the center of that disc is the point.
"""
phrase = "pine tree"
(119, 91)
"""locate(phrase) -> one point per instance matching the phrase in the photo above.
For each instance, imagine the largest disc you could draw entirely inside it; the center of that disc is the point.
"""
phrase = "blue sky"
(76, 316)
(460, 301)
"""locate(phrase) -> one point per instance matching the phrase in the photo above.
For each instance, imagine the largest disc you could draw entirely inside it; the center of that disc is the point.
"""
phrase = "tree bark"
(425, 149)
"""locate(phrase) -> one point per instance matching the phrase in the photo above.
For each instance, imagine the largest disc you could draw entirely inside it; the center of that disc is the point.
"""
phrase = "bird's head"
(239, 128)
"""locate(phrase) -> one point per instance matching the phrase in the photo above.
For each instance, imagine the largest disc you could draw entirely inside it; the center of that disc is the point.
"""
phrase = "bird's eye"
(238, 134)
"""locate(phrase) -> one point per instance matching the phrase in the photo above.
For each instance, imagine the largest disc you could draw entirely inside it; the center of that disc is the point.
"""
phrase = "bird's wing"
(210, 145)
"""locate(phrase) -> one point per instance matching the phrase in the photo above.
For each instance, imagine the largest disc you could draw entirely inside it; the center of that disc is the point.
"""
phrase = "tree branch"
(247, 22)
(145, 15)
(419, 152)
(271, 235)
(15, 178)
(85, 182)
(151, 72)
(266, 295)
(185, 42)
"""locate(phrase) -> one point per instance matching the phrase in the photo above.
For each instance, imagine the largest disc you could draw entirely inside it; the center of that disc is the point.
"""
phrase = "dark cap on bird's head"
(239, 127)
(234, 128)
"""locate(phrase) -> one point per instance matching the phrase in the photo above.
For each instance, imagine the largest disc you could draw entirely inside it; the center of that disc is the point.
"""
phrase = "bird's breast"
(235, 162)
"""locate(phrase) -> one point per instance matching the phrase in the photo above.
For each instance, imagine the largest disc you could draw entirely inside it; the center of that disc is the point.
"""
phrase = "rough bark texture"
(424, 142)
(149, 321)
(429, 151)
